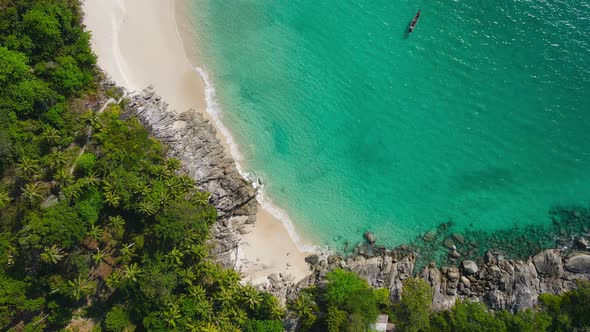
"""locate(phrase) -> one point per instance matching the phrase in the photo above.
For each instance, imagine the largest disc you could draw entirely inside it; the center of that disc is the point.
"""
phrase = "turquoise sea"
(480, 116)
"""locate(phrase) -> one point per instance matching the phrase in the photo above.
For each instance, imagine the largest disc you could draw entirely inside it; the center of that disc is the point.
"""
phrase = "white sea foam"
(283, 217)
(214, 111)
(212, 108)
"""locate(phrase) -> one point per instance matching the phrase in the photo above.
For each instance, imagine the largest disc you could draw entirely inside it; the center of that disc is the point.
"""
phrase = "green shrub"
(86, 163)
(474, 316)
(117, 319)
(413, 312)
(255, 325)
(341, 285)
(89, 205)
(346, 292)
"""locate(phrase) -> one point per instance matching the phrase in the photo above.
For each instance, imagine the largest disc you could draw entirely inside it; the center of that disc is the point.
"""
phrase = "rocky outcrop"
(548, 264)
(469, 267)
(500, 283)
(192, 139)
(578, 263)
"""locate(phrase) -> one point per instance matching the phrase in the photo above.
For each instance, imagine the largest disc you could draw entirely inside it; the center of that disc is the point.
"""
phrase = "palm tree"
(176, 256)
(4, 199)
(147, 208)
(114, 279)
(80, 287)
(186, 182)
(225, 296)
(95, 232)
(228, 277)
(192, 326)
(159, 172)
(204, 309)
(52, 254)
(99, 255)
(223, 317)
(28, 167)
(32, 192)
(143, 189)
(127, 249)
(229, 327)
(176, 192)
(171, 315)
(197, 291)
(73, 191)
(131, 272)
(92, 119)
(112, 199)
(209, 327)
(187, 275)
(52, 135)
(275, 311)
(143, 165)
(173, 164)
(238, 315)
(303, 307)
(208, 272)
(173, 184)
(197, 251)
(201, 198)
(64, 177)
(91, 179)
(57, 159)
(251, 297)
(117, 222)
(166, 197)
(107, 185)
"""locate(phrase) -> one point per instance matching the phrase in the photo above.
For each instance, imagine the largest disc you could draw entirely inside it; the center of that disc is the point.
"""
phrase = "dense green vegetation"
(101, 232)
(96, 222)
(346, 303)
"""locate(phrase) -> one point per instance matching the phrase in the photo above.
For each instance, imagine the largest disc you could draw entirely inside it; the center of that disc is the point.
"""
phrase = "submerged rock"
(429, 236)
(458, 237)
(581, 243)
(454, 254)
(448, 242)
(370, 237)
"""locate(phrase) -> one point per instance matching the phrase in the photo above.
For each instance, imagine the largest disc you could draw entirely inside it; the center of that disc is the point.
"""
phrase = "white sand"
(267, 249)
(138, 44)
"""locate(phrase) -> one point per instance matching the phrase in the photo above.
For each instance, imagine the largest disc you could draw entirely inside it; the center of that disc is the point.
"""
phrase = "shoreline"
(272, 212)
(137, 53)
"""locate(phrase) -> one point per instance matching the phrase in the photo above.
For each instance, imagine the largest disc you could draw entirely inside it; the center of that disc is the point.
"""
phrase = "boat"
(414, 21)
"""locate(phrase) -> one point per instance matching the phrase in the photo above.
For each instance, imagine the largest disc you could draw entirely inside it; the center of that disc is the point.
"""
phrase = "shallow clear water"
(481, 116)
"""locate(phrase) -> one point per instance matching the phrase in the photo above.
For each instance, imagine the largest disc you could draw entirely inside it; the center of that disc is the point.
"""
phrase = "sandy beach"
(138, 43)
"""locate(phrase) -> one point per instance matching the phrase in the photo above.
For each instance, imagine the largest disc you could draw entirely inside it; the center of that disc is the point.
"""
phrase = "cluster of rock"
(500, 283)
(282, 286)
(192, 139)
